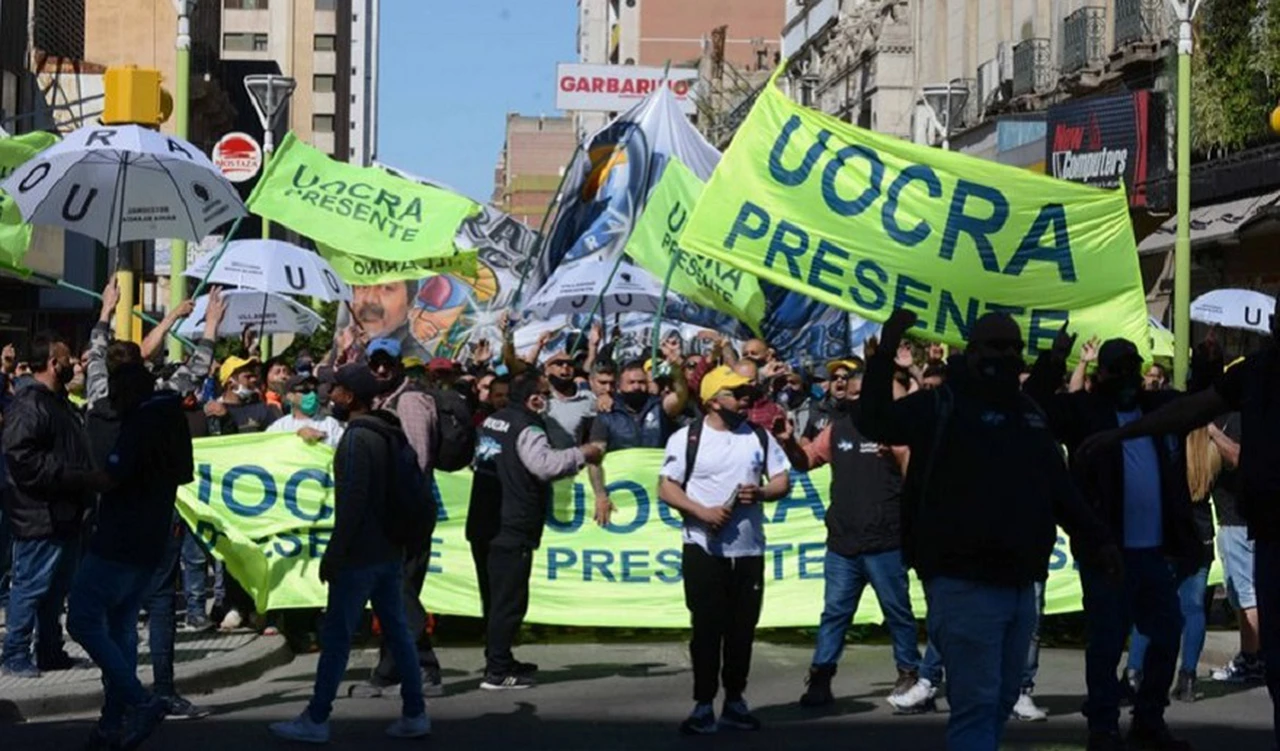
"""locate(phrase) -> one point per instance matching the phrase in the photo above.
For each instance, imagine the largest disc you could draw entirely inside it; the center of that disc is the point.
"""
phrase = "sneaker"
(60, 661)
(196, 625)
(819, 687)
(367, 690)
(410, 727)
(302, 729)
(524, 668)
(1154, 737)
(1129, 686)
(1106, 741)
(432, 684)
(1185, 689)
(21, 667)
(178, 708)
(702, 721)
(1241, 669)
(232, 620)
(141, 721)
(918, 699)
(510, 682)
(1027, 711)
(737, 715)
(906, 680)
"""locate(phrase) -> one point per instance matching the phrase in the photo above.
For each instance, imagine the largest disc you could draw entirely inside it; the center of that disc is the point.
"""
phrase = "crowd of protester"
(957, 465)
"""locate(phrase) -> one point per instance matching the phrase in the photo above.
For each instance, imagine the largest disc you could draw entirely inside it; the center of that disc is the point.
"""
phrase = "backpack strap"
(763, 437)
(691, 450)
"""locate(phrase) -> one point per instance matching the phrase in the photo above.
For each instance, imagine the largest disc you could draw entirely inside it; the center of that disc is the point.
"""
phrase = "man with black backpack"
(377, 485)
(712, 475)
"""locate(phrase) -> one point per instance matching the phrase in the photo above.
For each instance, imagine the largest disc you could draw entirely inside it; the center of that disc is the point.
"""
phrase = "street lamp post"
(270, 93)
(181, 118)
(1184, 11)
(946, 99)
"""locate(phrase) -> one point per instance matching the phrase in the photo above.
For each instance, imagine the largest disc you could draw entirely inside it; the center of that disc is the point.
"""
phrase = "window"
(326, 4)
(246, 4)
(244, 42)
(326, 43)
(322, 123)
(322, 84)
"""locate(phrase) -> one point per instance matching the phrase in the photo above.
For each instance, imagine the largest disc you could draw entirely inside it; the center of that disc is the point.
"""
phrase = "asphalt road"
(596, 697)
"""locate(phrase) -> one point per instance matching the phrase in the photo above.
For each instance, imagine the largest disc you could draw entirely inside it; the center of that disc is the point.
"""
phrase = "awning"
(1209, 224)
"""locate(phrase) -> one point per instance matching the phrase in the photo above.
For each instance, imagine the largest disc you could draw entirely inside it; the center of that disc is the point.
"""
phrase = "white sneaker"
(1027, 711)
(410, 727)
(232, 620)
(302, 729)
(914, 698)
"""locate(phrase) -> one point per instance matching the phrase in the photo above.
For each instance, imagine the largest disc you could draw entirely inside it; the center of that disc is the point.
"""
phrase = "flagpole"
(226, 240)
(591, 317)
(662, 303)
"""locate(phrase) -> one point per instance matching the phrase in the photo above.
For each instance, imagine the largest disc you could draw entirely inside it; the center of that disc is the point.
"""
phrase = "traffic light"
(133, 95)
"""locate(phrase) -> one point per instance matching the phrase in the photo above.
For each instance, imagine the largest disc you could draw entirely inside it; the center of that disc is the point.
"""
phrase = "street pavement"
(632, 696)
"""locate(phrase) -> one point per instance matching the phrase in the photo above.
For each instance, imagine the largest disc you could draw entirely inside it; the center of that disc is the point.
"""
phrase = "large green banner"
(364, 211)
(264, 504)
(869, 222)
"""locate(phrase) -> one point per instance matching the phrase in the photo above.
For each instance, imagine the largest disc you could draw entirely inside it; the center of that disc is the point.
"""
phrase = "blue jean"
(983, 632)
(102, 615)
(195, 577)
(1266, 582)
(42, 573)
(1148, 599)
(1194, 624)
(161, 618)
(845, 578)
(931, 664)
(6, 557)
(349, 590)
(1032, 667)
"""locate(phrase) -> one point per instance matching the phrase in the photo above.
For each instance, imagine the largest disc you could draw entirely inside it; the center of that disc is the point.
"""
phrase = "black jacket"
(987, 483)
(1074, 417)
(362, 469)
(48, 456)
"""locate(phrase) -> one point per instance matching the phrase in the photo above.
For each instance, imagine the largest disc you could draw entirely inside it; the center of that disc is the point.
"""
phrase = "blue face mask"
(817, 392)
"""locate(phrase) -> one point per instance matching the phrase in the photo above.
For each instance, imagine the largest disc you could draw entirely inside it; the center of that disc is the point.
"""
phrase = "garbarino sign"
(1109, 140)
(617, 88)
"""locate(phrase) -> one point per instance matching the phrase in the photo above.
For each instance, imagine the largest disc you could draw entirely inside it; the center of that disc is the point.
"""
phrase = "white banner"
(618, 88)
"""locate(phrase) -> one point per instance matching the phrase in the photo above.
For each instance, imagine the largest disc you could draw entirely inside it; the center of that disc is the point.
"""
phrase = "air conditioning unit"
(988, 84)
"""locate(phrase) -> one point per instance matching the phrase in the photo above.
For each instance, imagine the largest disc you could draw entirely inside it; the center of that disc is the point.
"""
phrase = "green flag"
(359, 210)
(655, 242)
(362, 271)
(15, 234)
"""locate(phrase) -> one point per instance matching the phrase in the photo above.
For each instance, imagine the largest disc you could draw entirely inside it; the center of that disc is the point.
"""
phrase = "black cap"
(1115, 352)
(301, 379)
(360, 381)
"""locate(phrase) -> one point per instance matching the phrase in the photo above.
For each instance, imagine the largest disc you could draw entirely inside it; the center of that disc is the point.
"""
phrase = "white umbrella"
(1235, 309)
(574, 289)
(273, 266)
(122, 183)
(268, 313)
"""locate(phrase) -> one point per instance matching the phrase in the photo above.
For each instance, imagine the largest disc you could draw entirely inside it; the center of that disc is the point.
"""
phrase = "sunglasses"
(742, 392)
(304, 390)
(841, 376)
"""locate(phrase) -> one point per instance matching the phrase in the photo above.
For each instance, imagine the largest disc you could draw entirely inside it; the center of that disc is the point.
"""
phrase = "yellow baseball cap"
(720, 379)
(852, 364)
(232, 365)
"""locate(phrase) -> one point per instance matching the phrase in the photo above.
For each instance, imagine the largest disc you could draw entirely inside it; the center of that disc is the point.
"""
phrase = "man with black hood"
(981, 504)
(1140, 490)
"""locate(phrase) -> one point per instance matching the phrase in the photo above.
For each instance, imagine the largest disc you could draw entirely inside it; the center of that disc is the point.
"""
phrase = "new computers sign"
(1110, 140)
(617, 88)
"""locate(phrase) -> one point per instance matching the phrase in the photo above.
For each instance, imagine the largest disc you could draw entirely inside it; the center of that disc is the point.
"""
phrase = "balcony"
(1140, 21)
(1084, 34)
(1032, 67)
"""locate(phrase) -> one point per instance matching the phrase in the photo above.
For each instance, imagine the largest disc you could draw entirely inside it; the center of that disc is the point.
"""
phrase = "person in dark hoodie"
(986, 490)
(150, 458)
(47, 453)
(1140, 491)
(361, 563)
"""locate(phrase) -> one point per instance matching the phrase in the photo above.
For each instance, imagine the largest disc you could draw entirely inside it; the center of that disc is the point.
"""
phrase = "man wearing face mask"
(981, 505)
(639, 419)
(241, 401)
(1140, 491)
(516, 464)
(571, 408)
(304, 418)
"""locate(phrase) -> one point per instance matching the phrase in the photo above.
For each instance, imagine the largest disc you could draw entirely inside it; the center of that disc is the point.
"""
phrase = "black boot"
(819, 682)
(1185, 689)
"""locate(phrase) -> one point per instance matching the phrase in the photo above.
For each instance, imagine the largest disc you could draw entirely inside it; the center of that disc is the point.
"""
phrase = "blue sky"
(450, 72)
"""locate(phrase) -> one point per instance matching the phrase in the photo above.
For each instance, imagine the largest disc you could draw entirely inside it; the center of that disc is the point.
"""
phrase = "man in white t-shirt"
(302, 416)
(720, 499)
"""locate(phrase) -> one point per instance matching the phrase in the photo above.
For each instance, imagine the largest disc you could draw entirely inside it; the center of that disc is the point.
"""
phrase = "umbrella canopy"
(575, 289)
(261, 311)
(272, 266)
(1241, 309)
(122, 183)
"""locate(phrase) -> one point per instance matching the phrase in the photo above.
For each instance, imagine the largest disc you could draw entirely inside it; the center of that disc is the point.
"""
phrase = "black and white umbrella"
(1235, 309)
(272, 266)
(122, 183)
(262, 311)
(576, 289)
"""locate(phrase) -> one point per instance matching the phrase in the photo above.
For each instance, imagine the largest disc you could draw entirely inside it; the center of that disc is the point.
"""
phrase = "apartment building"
(534, 155)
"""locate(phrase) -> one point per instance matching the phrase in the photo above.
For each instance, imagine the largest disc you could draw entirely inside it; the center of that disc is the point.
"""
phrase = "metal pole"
(125, 282)
(1182, 245)
(268, 147)
(946, 136)
(662, 303)
(181, 121)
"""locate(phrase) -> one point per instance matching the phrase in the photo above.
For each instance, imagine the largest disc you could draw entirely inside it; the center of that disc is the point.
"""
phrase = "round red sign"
(238, 155)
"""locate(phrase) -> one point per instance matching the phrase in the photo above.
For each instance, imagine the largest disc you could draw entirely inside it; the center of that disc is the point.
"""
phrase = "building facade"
(534, 155)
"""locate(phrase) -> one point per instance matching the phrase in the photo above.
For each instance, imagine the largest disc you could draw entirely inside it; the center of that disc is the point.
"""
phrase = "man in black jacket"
(361, 563)
(986, 489)
(1140, 491)
(48, 455)
(515, 461)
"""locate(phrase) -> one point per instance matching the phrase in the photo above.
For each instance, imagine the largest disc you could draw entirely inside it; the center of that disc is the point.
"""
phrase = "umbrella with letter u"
(122, 183)
(576, 288)
(272, 266)
(1241, 309)
(250, 309)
